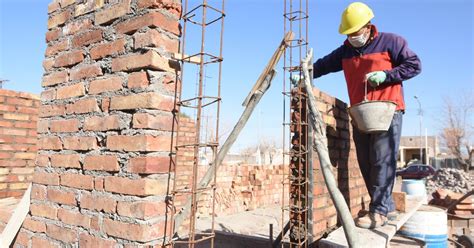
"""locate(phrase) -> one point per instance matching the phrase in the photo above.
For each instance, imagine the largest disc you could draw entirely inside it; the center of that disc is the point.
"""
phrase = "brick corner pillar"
(105, 125)
(18, 137)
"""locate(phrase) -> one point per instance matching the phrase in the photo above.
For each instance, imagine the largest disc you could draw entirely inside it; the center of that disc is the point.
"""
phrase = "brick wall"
(345, 166)
(105, 126)
(18, 117)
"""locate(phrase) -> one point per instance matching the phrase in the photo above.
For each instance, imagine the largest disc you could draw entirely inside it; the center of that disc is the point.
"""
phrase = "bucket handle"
(365, 91)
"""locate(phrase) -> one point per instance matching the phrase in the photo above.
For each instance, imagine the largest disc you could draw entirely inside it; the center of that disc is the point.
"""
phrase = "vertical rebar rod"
(298, 176)
(200, 100)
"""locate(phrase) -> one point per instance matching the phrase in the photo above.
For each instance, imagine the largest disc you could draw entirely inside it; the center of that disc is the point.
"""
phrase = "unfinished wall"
(18, 117)
(105, 125)
(346, 168)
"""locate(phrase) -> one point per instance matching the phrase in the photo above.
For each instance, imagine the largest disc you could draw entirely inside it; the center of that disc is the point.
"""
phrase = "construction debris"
(451, 179)
(453, 202)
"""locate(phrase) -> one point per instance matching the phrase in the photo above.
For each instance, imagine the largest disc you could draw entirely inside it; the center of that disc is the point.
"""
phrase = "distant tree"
(457, 133)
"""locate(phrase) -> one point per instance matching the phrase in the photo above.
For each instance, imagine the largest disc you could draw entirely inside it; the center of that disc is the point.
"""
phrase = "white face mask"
(359, 40)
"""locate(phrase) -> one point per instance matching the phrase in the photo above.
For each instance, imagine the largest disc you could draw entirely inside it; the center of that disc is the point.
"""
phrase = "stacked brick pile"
(246, 187)
(448, 199)
(105, 126)
(346, 169)
(18, 118)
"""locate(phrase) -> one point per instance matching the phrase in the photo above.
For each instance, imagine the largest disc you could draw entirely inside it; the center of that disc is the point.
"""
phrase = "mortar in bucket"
(372, 116)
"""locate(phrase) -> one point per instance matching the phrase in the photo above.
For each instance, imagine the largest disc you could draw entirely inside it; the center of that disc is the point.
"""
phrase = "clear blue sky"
(440, 32)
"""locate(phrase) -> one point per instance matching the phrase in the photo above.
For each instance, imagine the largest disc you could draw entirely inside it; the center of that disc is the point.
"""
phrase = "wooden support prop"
(260, 87)
(16, 220)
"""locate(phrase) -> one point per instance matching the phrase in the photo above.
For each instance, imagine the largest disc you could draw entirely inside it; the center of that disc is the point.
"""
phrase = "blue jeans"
(377, 156)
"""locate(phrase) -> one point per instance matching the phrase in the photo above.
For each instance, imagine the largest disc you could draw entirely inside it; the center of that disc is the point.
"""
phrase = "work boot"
(371, 220)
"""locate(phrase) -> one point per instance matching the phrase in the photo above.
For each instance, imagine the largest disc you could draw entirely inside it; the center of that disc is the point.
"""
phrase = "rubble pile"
(451, 179)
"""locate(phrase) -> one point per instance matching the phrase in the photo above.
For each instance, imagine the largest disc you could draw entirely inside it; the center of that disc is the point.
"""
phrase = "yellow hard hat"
(354, 17)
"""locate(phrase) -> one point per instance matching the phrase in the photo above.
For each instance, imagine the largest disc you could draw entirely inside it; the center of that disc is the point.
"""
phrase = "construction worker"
(383, 60)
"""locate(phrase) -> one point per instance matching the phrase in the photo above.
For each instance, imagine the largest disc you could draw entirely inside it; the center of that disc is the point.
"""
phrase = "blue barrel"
(429, 224)
(415, 187)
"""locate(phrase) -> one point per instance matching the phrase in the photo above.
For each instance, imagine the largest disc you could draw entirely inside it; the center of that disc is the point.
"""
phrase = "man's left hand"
(375, 78)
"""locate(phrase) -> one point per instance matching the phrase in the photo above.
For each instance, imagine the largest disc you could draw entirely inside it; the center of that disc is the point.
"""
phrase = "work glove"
(375, 78)
(295, 79)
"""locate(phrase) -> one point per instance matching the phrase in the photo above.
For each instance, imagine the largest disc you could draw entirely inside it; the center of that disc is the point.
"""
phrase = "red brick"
(102, 163)
(107, 49)
(88, 241)
(46, 178)
(43, 210)
(99, 203)
(69, 59)
(56, 48)
(73, 218)
(61, 233)
(173, 6)
(6, 124)
(52, 110)
(55, 78)
(38, 192)
(48, 95)
(153, 38)
(87, 38)
(148, 121)
(96, 123)
(83, 106)
(59, 19)
(53, 7)
(50, 143)
(139, 187)
(65, 126)
(19, 101)
(105, 104)
(149, 165)
(77, 181)
(141, 210)
(138, 80)
(62, 197)
(148, 60)
(134, 232)
(14, 116)
(28, 125)
(88, 6)
(138, 143)
(153, 20)
(42, 160)
(65, 3)
(80, 143)
(99, 184)
(22, 239)
(148, 100)
(66, 160)
(70, 91)
(38, 241)
(113, 12)
(77, 26)
(105, 85)
(86, 71)
(53, 35)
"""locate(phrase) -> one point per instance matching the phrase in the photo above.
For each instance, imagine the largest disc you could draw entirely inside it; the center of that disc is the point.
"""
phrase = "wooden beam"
(16, 220)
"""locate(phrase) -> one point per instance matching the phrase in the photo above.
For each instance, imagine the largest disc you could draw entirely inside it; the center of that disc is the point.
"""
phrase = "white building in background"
(410, 147)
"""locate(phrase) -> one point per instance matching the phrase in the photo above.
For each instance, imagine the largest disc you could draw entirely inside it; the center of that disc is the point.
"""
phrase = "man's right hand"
(295, 79)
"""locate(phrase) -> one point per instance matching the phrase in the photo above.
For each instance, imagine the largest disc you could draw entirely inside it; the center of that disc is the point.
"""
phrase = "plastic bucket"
(414, 187)
(373, 116)
(429, 224)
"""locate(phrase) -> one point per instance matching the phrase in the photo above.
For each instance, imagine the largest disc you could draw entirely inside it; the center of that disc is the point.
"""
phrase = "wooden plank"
(270, 66)
(378, 237)
(16, 220)
(400, 201)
